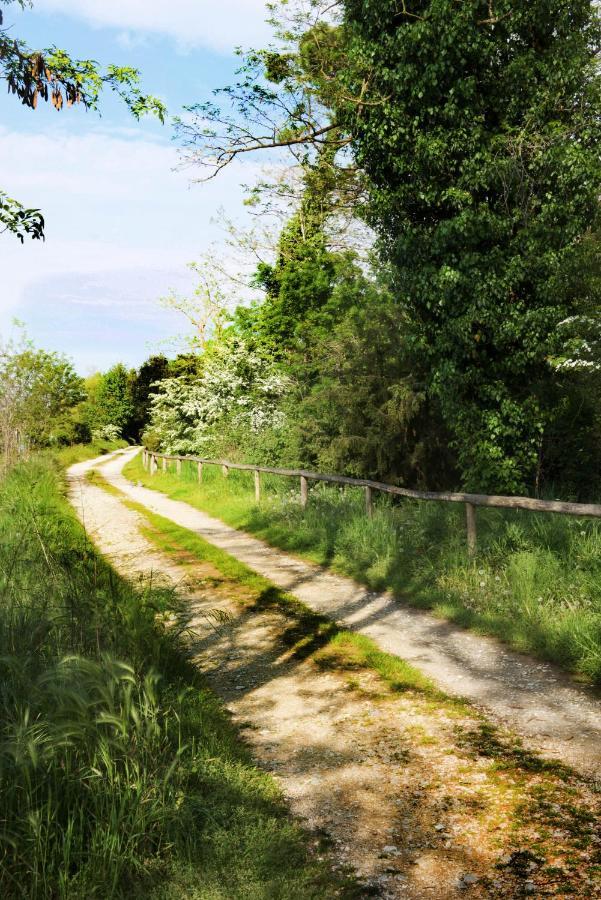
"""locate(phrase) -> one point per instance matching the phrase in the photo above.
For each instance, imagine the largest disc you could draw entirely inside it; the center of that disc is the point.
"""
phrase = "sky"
(122, 218)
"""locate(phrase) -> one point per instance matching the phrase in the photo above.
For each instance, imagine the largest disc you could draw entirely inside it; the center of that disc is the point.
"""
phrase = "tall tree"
(143, 383)
(113, 402)
(482, 150)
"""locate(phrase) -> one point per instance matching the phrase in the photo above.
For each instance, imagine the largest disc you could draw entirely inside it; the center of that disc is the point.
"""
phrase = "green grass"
(542, 794)
(75, 453)
(120, 773)
(308, 632)
(535, 582)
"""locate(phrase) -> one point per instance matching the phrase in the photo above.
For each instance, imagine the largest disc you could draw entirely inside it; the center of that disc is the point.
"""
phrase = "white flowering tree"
(581, 338)
(237, 390)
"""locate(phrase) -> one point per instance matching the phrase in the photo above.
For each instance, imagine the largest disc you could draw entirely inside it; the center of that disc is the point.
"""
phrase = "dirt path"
(415, 796)
(556, 717)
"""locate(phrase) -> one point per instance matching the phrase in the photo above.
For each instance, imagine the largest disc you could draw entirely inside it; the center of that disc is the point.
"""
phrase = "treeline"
(44, 403)
(117, 402)
(430, 313)
(466, 350)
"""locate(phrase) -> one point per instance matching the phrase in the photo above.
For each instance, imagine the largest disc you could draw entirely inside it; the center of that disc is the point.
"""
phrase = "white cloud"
(205, 23)
(121, 226)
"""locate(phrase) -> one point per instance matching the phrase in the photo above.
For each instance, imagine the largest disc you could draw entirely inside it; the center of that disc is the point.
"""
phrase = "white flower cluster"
(107, 433)
(236, 386)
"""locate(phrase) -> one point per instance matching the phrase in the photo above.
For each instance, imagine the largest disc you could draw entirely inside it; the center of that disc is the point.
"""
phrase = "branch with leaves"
(53, 76)
(256, 115)
(14, 217)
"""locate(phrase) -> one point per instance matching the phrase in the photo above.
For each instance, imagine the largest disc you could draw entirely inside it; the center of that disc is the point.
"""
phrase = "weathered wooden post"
(178, 466)
(304, 485)
(257, 485)
(225, 470)
(153, 464)
(369, 501)
(164, 464)
(199, 467)
(470, 511)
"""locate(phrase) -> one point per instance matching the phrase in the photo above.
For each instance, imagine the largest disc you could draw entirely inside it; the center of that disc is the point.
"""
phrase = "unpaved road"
(555, 716)
(397, 787)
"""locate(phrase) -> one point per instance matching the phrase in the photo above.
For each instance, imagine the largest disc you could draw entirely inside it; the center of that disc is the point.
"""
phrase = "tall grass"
(535, 582)
(120, 775)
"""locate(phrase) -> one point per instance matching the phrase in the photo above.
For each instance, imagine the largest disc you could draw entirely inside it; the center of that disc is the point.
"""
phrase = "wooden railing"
(150, 460)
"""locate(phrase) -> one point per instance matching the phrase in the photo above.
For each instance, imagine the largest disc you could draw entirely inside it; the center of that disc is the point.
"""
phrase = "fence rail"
(150, 460)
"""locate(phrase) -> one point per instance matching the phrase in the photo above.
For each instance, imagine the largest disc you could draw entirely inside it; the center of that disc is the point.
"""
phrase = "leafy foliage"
(359, 406)
(112, 403)
(468, 133)
(485, 177)
(236, 388)
(20, 221)
(38, 393)
(53, 75)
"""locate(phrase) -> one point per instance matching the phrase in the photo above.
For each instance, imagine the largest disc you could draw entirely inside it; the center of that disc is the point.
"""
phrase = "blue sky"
(121, 223)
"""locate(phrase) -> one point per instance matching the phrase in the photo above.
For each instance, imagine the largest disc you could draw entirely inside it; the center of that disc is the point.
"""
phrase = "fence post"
(470, 511)
(164, 464)
(153, 464)
(199, 472)
(369, 501)
(257, 485)
(304, 485)
(225, 471)
(178, 466)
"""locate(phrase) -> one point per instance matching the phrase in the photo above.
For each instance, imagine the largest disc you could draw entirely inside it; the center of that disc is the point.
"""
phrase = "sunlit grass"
(120, 773)
(80, 452)
(535, 582)
(309, 633)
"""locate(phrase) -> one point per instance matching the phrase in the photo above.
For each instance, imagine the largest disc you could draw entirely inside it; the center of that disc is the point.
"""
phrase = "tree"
(38, 391)
(52, 75)
(299, 287)
(143, 384)
(359, 405)
(236, 390)
(113, 402)
(484, 182)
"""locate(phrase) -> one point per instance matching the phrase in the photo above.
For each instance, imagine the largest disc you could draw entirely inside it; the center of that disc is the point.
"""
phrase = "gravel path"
(555, 716)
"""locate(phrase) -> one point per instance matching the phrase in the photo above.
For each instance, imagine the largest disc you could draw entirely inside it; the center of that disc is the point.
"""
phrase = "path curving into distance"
(555, 716)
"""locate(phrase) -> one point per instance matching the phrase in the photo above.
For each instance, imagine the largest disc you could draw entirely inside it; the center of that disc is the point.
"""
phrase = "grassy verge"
(532, 797)
(308, 633)
(536, 582)
(120, 774)
(68, 456)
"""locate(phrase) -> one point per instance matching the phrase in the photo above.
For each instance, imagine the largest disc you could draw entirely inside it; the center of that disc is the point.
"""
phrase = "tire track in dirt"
(397, 787)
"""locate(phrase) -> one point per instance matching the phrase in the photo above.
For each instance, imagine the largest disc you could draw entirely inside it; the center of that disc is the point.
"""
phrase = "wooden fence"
(150, 460)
